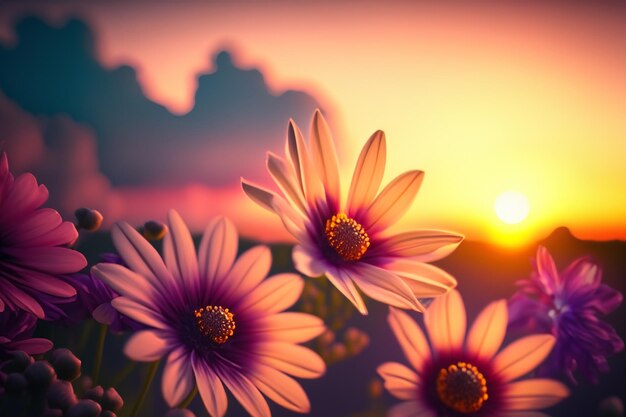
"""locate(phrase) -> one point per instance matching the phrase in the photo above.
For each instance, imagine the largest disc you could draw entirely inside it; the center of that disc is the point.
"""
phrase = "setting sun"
(511, 207)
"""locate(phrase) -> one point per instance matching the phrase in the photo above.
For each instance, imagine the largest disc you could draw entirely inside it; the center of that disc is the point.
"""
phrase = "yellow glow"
(511, 207)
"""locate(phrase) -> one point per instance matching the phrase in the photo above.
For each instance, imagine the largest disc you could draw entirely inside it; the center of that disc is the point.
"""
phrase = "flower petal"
(400, 381)
(325, 155)
(291, 220)
(247, 272)
(178, 378)
(280, 388)
(445, 321)
(384, 286)
(305, 262)
(368, 173)
(139, 312)
(410, 336)
(342, 281)
(425, 280)
(292, 359)
(146, 346)
(210, 388)
(532, 394)
(291, 327)
(275, 294)
(245, 392)
(411, 409)
(394, 200)
(522, 356)
(284, 177)
(180, 253)
(258, 194)
(125, 282)
(217, 252)
(51, 259)
(546, 268)
(487, 333)
(33, 346)
(302, 164)
(425, 245)
(525, 413)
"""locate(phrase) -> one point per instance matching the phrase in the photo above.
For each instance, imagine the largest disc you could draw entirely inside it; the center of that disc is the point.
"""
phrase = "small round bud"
(338, 351)
(15, 384)
(18, 363)
(327, 337)
(39, 375)
(95, 393)
(61, 395)
(612, 407)
(85, 408)
(66, 364)
(153, 230)
(83, 383)
(179, 412)
(375, 388)
(108, 413)
(111, 400)
(88, 219)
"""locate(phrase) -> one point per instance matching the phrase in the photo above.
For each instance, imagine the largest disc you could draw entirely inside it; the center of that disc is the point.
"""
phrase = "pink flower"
(467, 376)
(32, 256)
(214, 318)
(350, 243)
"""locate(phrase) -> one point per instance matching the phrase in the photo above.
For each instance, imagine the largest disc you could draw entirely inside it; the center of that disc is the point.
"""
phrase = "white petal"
(178, 379)
(411, 409)
(245, 392)
(139, 255)
(218, 250)
(384, 286)
(293, 223)
(445, 321)
(342, 281)
(280, 388)
(487, 333)
(425, 280)
(292, 359)
(423, 244)
(180, 253)
(394, 200)
(325, 155)
(410, 336)
(247, 272)
(210, 388)
(400, 381)
(139, 312)
(368, 173)
(305, 261)
(258, 194)
(532, 394)
(125, 282)
(275, 294)
(285, 178)
(291, 327)
(302, 164)
(522, 356)
(146, 346)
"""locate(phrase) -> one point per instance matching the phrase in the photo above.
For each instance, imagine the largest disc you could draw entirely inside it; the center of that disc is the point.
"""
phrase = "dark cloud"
(235, 119)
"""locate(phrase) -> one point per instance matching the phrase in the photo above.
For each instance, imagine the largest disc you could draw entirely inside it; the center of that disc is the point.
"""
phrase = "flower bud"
(85, 408)
(39, 376)
(66, 365)
(96, 393)
(153, 230)
(88, 219)
(108, 413)
(15, 384)
(111, 400)
(61, 395)
(18, 363)
(612, 407)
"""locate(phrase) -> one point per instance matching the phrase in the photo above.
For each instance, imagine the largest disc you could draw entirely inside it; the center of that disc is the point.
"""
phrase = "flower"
(32, 256)
(350, 243)
(16, 330)
(214, 317)
(568, 304)
(467, 376)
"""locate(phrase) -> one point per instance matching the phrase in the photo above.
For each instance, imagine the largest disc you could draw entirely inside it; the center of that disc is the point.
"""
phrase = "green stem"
(123, 374)
(185, 403)
(146, 386)
(102, 334)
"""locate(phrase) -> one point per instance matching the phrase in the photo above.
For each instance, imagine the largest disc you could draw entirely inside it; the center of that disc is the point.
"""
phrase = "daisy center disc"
(462, 387)
(347, 237)
(215, 322)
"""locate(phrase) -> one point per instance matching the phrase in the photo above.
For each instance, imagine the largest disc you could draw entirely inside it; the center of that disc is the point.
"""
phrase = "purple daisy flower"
(350, 243)
(16, 330)
(32, 253)
(568, 305)
(214, 318)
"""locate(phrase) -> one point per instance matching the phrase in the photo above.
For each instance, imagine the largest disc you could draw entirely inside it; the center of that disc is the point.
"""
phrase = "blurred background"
(515, 111)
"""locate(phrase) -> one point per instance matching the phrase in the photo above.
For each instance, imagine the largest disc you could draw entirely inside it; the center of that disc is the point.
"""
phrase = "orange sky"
(484, 97)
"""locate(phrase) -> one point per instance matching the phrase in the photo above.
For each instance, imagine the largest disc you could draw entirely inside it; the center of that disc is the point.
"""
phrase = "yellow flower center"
(462, 387)
(347, 237)
(215, 322)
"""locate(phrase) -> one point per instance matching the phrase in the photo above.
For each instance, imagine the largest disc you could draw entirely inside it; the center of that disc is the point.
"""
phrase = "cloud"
(235, 119)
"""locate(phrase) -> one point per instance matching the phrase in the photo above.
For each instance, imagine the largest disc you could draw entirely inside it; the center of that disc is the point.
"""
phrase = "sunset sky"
(485, 97)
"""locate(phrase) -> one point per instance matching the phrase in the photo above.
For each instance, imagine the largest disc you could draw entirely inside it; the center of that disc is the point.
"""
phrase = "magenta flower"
(16, 330)
(32, 253)
(350, 243)
(214, 318)
(469, 376)
(568, 304)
